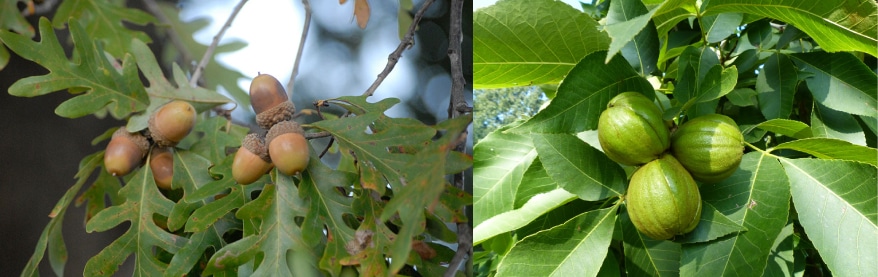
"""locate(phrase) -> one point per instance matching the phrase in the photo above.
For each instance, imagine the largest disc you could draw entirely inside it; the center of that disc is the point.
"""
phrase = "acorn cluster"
(284, 146)
(167, 126)
(663, 199)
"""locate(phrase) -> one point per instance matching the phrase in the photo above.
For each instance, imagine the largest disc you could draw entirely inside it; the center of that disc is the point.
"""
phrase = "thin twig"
(322, 134)
(406, 42)
(209, 53)
(456, 107)
(305, 29)
(154, 8)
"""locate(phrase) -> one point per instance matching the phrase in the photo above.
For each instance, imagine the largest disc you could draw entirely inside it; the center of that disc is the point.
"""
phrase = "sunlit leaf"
(526, 42)
(837, 25)
(757, 197)
(499, 162)
(837, 207)
(827, 148)
(575, 248)
(514, 219)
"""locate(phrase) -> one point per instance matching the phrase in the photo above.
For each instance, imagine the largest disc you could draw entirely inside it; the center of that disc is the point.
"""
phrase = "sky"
(484, 3)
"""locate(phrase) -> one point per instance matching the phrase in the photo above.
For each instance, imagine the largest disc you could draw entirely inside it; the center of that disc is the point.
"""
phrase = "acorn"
(124, 152)
(251, 160)
(171, 123)
(288, 147)
(269, 101)
(161, 162)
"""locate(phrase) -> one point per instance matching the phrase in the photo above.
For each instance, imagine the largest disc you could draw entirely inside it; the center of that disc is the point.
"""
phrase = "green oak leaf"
(100, 83)
(103, 21)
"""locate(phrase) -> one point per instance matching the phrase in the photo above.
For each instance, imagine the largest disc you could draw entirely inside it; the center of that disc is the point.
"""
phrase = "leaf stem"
(407, 42)
(305, 28)
(193, 82)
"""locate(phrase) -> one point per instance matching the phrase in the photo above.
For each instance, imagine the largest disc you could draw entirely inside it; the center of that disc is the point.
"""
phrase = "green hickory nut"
(663, 199)
(631, 130)
(709, 146)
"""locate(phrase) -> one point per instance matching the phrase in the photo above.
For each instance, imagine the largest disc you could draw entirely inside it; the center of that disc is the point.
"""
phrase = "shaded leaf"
(217, 135)
(190, 173)
(584, 94)
(275, 235)
(12, 19)
(103, 21)
(776, 86)
(713, 224)
(325, 208)
(104, 85)
(575, 248)
(631, 32)
(645, 256)
(425, 177)
(161, 91)
(780, 261)
(579, 168)
(51, 238)
(742, 97)
(840, 82)
(757, 197)
(829, 123)
(837, 25)
(195, 247)
(142, 201)
(525, 42)
(837, 207)
(372, 135)
(534, 181)
(833, 149)
(720, 26)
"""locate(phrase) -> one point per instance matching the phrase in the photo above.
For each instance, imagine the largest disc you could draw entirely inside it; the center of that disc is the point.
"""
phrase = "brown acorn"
(251, 160)
(161, 162)
(269, 101)
(124, 152)
(287, 147)
(171, 123)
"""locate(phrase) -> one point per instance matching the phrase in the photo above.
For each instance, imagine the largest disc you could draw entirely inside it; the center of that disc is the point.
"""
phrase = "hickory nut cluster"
(167, 126)
(663, 198)
(284, 147)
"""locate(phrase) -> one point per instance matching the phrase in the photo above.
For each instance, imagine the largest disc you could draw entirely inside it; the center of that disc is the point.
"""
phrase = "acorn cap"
(281, 112)
(256, 145)
(283, 127)
(136, 138)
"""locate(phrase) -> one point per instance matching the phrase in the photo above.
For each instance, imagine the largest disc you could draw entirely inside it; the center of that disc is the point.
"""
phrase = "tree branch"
(209, 53)
(305, 29)
(406, 42)
(457, 107)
